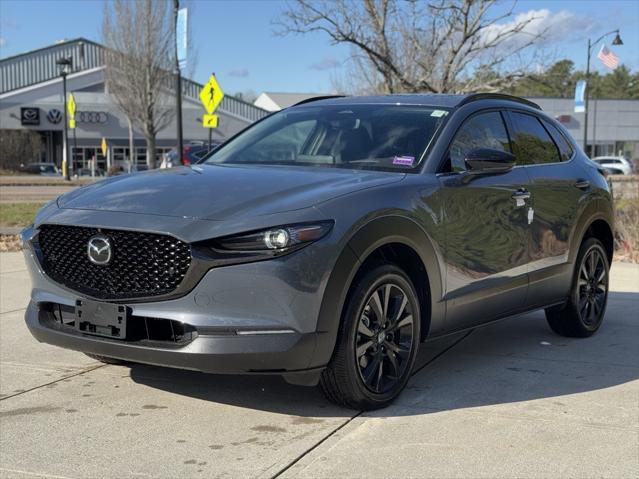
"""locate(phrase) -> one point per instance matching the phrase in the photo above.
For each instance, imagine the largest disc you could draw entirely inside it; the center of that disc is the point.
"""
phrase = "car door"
(557, 189)
(486, 228)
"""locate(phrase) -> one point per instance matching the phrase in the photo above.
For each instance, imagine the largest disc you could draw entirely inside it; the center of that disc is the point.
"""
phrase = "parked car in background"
(330, 239)
(191, 154)
(196, 152)
(614, 165)
(83, 172)
(43, 169)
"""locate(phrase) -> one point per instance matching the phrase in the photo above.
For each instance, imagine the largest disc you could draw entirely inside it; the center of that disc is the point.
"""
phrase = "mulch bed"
(10, 243)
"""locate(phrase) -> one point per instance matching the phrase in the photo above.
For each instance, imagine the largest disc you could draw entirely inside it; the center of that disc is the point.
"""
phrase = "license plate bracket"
(101, 319)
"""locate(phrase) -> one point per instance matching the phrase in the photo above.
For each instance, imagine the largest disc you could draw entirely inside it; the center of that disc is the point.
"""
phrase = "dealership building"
(31, 98)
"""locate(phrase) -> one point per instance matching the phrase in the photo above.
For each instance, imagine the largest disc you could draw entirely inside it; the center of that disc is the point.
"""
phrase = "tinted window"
(532, 142)
(485, 130)
(385, 137)
(565, 149)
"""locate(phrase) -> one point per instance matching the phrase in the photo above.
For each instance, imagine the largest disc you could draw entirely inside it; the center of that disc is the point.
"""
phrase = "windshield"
(376, 137)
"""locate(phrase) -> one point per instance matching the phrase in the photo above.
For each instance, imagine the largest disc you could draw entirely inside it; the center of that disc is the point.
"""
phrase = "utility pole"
(178, 84)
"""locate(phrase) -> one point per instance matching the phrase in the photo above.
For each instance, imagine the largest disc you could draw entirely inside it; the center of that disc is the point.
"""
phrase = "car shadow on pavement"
(518, 359)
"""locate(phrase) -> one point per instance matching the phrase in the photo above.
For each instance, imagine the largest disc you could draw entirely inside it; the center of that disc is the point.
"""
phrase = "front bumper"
(286, 354)
(249, 318)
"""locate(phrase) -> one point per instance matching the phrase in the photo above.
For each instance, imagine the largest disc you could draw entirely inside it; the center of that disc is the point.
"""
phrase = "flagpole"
(616, 41)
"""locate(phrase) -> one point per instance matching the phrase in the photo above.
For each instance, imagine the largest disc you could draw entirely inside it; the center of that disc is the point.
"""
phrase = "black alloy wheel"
(593, 286)
(384, 338)
(582, 314)
(377, 342)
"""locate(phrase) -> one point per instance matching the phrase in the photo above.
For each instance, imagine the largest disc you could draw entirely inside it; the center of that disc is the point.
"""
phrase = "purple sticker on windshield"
(404, 160)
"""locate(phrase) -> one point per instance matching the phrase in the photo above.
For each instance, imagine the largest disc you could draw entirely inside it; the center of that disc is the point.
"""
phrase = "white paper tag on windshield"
(439, 113)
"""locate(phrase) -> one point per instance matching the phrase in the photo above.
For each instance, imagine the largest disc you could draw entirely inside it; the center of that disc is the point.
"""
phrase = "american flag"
(608, 58)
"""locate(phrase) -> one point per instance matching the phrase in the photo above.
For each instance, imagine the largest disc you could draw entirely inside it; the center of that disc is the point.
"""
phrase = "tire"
(105, 359)
(584, 311)
(375, 352)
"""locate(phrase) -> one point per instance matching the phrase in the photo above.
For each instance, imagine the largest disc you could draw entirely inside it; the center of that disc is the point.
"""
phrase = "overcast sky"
(236, 40)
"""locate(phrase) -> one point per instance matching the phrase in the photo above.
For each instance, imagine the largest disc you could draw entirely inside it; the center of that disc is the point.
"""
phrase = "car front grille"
(141, 264)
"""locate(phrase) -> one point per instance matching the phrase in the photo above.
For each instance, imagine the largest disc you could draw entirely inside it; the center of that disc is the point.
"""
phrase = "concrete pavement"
(508, 400)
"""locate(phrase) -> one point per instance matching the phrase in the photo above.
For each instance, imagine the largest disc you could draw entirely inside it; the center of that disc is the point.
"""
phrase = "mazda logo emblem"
(30, 116)
(99, 250)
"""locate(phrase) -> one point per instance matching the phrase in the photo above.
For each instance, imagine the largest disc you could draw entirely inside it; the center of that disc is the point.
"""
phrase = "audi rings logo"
(54, 116)
(92, 117)
(99, 250)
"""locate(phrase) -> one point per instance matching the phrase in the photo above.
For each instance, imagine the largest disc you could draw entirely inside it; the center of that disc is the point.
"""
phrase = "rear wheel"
(583, 314)
(377, 343)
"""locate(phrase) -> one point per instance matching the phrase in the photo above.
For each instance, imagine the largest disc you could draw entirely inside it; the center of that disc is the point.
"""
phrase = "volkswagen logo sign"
(99, 250)
(54, 116)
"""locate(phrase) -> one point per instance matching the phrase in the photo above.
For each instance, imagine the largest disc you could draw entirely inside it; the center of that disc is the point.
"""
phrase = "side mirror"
(489, 161)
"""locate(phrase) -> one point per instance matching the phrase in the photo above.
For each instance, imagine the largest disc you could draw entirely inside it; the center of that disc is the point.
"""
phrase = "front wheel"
(583, 314)
(377, 342)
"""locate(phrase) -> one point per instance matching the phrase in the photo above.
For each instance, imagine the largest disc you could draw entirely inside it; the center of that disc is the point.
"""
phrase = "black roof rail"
(317, 98)
(497, 96)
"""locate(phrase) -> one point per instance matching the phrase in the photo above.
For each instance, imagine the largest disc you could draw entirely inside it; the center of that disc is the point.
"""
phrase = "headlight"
(277, 240)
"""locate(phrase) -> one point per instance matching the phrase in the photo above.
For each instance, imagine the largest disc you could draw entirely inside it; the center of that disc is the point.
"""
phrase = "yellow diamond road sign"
(211, 95)
(71, 105)
(104, 147)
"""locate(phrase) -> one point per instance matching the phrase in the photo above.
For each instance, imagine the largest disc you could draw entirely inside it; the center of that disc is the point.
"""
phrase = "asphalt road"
(508, 400)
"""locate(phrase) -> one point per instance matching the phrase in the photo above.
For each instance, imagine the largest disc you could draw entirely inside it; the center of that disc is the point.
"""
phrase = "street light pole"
(178, 84)
(65, 155)
(65, 63)
(586, 92)
(616, 41)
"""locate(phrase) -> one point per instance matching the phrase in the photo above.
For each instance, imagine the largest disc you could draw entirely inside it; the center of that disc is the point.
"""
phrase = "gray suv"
(327, 241)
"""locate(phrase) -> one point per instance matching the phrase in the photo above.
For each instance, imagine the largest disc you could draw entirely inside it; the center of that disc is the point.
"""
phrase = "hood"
(220, 192)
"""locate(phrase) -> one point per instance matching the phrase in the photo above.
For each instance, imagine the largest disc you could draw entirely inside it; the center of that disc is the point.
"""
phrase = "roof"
(286, 99)
(423, 99)
(38, 66)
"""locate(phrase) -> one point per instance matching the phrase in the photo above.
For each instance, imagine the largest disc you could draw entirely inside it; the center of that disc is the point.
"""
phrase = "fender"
(359, 246)
(593, 212)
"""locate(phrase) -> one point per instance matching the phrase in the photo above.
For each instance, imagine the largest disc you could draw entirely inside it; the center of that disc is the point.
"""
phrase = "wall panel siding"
(39, 66)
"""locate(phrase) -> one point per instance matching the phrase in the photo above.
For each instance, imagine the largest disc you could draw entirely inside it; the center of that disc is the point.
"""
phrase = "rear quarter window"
(565, 149)
(533, 144)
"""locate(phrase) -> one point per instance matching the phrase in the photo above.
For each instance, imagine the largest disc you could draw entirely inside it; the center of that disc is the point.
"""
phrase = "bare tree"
(139, 59)
(18, 147)
(440, 46)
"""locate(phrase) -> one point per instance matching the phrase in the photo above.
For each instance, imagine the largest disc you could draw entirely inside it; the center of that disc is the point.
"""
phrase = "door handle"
(582, 184)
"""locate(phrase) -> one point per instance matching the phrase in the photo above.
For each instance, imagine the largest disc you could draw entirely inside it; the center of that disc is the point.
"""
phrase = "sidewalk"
(509, 400)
